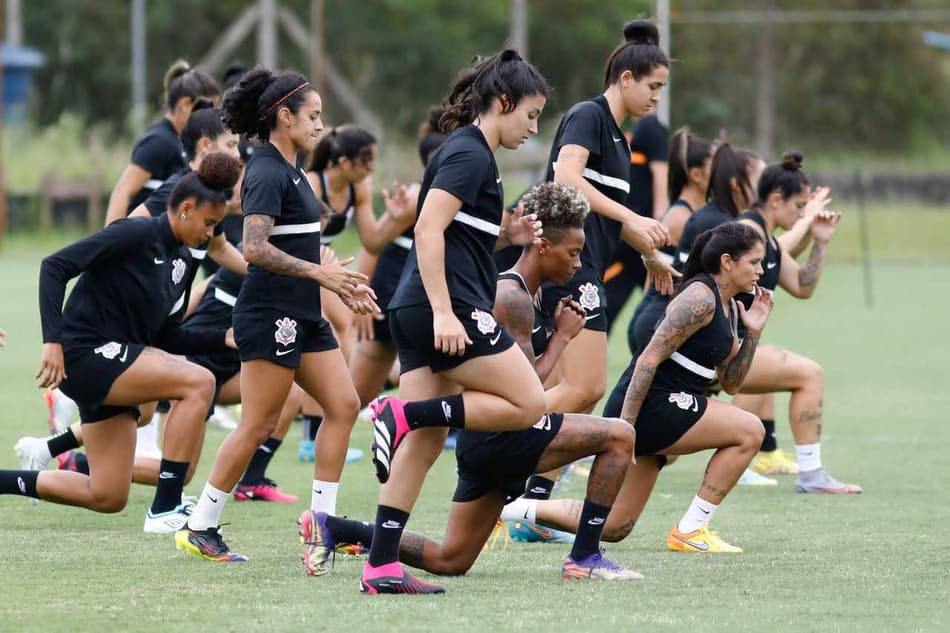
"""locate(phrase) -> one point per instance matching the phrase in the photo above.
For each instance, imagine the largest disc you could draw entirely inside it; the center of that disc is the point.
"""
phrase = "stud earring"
(183, 216)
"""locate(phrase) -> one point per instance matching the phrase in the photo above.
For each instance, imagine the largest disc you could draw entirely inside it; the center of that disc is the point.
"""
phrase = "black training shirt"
(274, 187)
(133, 287)
(708, 217)
(463, 166)
(591, 125)
(160, 153)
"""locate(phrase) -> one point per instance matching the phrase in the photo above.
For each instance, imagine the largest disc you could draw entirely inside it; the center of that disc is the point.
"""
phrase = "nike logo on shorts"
(296, 181)
(125, 353)
(284, 352)
(496, 337)
(159, 261)
(592, 316)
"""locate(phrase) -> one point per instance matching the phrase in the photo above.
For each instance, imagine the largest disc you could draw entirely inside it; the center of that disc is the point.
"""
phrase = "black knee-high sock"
(448, 411)
(259, 462)
(171, 481)
(63, 441)
(538, 488)
(390, 524)
(311, 424)
(350, 531)
(19, 482)
(589, 529)
(769, 442)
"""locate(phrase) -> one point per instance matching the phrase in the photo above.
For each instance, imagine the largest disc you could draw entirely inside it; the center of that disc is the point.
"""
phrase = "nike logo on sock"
(704, 511)
(526, 514)
(596, 521)
(319, 492)
(166, 475)
(447, 411)
(213, 500)
(392, 525)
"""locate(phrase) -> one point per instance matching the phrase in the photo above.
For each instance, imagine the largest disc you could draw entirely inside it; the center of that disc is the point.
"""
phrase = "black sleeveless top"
(337, 220)
(693, 365)
(543, 322)
(771, 265)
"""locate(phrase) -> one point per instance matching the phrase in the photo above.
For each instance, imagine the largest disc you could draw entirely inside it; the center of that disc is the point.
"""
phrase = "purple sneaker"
(596, 567)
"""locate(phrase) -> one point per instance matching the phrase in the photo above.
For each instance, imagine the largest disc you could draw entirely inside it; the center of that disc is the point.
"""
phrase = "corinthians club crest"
(589, 296)
(485, 321)
(109, 350)
(178, 270)
(286, 331)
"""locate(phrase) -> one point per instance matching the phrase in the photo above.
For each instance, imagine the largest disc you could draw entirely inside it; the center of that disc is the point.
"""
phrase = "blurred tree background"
(871, 88)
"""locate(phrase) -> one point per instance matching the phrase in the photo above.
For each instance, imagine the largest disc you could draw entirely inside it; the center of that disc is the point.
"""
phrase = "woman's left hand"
(362, 300)
(758, 313)
(824, 225)
(522, 229)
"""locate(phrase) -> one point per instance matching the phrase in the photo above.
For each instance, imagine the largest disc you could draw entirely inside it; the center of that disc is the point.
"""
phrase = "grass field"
(874, 562)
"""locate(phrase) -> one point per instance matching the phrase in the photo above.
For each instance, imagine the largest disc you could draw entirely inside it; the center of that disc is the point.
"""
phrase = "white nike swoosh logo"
(592, 316)
(616, 140)
(159, 261)
(495, 340)
(124, 354)
(296, 181)
(771, 266)
(536, 330)
(284, 352)
(498, 180)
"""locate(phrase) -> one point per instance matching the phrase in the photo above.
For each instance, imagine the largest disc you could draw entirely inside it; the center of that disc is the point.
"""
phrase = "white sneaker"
(223, 419)
(752, 478)
(33, 453)
(167, 522)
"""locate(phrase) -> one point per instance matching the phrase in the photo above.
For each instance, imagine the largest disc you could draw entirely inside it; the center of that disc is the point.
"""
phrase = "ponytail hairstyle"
(640, 52)
(181, 81)
(686, 152)
(250, 107)
(204, 122)
(732, 238)
(212, 183)
(559, 207)
(786, 177)
(429, 135)
(347, 141)
(505, 76)
(728, 164)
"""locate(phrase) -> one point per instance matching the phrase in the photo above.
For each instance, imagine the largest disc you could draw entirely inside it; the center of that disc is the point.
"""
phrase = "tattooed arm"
(692, 310)
(261, 253)
(734, 369)
(515, 312)
(801, 280)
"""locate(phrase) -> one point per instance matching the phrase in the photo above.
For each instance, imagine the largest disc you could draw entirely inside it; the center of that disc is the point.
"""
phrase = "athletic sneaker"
(820, 482)
(702, 541)
(596, 567)
(167, 522)
(318, 543)
(223, 419)
(389, 427)
(33, 453)
(392, 578)
(776, 462)
(266, 490)
(206, 544)
(525, 532)
(62, 410)
(751, 478)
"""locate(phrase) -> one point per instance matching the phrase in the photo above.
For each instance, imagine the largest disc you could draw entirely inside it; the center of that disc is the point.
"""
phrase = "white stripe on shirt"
(402, 242)
(198, 253)
(178, 305)
(225, 297)
(693, 366)
(607, 181)
(296, 229)
(478, 223)
(152, 184)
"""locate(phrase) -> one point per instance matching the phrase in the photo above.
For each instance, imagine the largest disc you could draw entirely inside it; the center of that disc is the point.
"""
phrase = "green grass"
(875, 562)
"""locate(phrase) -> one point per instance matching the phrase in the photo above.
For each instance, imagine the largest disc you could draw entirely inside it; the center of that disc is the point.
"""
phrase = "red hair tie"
(284, 98)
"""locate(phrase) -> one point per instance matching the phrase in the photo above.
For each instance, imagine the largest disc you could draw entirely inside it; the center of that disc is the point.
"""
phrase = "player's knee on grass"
(451, 564)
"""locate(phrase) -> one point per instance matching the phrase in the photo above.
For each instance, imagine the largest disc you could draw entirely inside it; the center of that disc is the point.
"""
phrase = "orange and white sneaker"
(701, 541)
(776, 462)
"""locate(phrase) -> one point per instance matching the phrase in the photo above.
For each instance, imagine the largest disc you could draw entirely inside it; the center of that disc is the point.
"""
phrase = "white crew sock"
(697, 515)
(808, 456)
(207, 512)
(521, 509)
(323, 496)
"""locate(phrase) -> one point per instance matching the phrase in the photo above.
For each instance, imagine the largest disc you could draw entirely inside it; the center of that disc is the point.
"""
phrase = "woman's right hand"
(335, 277)
(817, 203)
(363, 325)
(52, 366)
(450, 335)
(569, 318)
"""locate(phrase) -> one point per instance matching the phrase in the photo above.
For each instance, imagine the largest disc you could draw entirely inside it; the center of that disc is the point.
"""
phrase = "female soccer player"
(281, 335)
(158, 153)
(666, 402)
(340, 172)
(203, 134)
(784, 195)
(591, 154)
(493, 467)
(441, 315)
(109, 349)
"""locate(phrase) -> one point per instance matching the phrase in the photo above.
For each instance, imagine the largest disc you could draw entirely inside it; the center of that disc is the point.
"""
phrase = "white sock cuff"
(323, 496)
(207, 512)
(521, 509)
